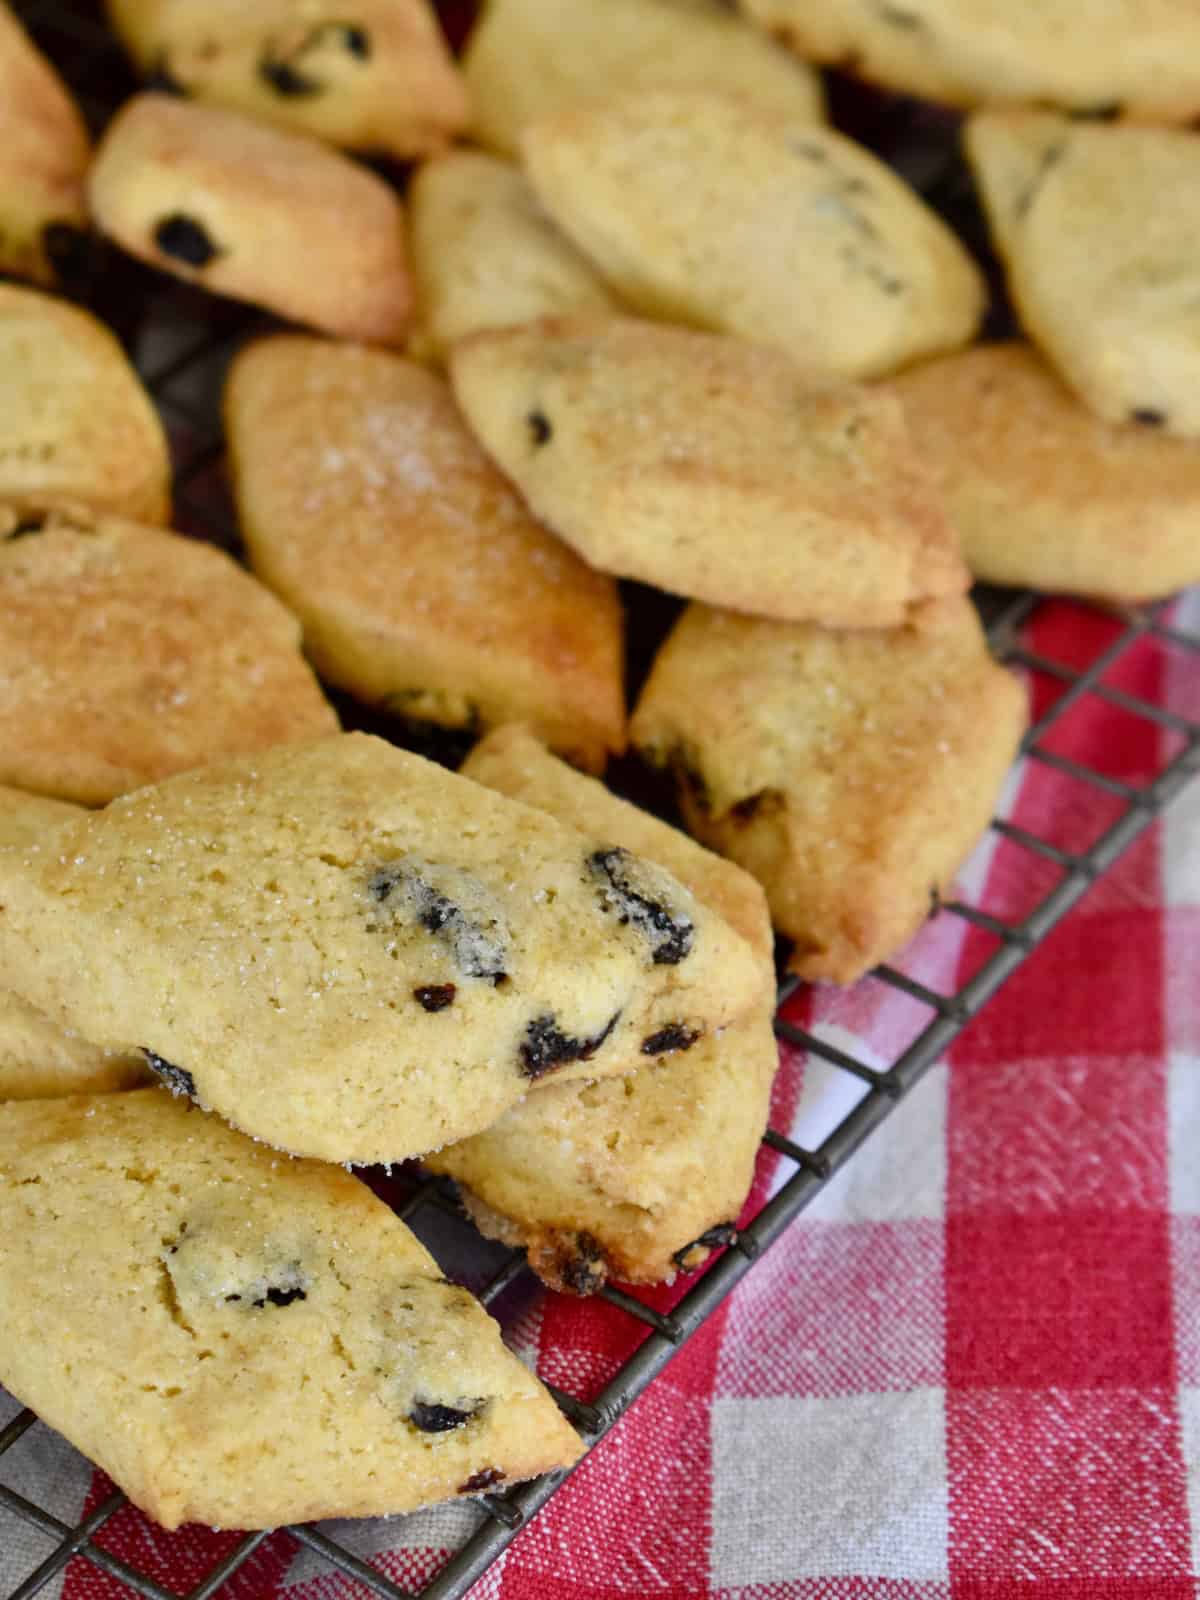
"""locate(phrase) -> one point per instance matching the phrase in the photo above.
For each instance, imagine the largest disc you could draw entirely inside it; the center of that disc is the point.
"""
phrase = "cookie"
(44, 152)
(352, 953)
(711, 468)
(36, 1058)
(634, 1177)
(1094, 57)
(1046, 495)
(485, 255)
(530, 59)
(723, 214)
(75, 422)
(1101, 267)
(440, 599)
(239, 1338)
(255, 213)
(128, 653)
(374, 76)
(851, 773)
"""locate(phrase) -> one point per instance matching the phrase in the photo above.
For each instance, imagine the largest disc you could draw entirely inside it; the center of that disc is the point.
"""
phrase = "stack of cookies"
(650, 320)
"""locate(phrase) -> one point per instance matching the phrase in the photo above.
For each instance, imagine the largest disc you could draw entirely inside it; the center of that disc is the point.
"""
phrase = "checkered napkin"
(972, 1368)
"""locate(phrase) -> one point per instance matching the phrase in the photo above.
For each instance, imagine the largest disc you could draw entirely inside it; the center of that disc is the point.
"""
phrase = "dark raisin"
(545, 1046)
(32, 522)
(745, 809)
(280, 1297)
(673, 1037)
(485, 1478)
(439, 1419)
(477, 951)
(715, 1238)
(185, 239)
(686, 772)
(1149, 417)
(1051, 156)
(287, 80)
(435, 996)
(175, 1078)
(161, 80)
(1103, 111)
(583, 1271)
(539, 428)
(357, 41)
(671, 934)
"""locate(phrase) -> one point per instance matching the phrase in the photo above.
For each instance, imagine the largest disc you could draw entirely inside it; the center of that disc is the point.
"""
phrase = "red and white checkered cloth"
(971, 1370)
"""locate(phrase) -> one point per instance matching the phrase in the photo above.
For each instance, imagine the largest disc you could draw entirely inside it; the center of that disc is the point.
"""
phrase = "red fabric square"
(1078, 1300)
(1065, 1486)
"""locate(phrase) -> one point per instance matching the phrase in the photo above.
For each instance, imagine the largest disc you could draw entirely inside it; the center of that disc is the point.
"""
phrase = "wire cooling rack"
(182, 343)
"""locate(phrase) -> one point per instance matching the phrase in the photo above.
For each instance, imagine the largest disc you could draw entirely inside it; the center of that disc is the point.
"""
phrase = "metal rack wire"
(182, 344)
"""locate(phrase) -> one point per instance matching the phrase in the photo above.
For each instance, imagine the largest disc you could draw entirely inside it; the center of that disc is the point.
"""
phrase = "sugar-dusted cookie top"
(128, 653)
(726, 214)
(374, 75)
(254, 212)
(350, 952)
(711, 468)
(75, 421)
(240, 1338)
(423, 582)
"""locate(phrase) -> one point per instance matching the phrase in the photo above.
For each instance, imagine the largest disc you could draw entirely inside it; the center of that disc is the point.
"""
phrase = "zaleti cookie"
(851, 773)
(374, 75)
(638, 1176)
(1097, 57)
(44, 152)
(1043, 493)
(485, 254)
(352, 953)
(711, 468)
(438, 595)
(75, 422)
(36, 1058)
(1100, 232)
(255, 213)
(127, 653)
(713, 211)
(239, 1338)
(528, 59)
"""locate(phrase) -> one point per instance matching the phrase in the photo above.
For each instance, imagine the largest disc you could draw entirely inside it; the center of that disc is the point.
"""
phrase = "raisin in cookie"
(485, 254)
(1094, 57)
(255, 213)
(711, 468)
(529, 59)
(638, 1176)
(440, 597)
(44, 152)
(374, 75)
(352, 953)
(851, 773)
(1044, 493)
(1099, 228)
(38, 1059)
(75, 422)
(128, 653)
(239, 1338)
(709, 210)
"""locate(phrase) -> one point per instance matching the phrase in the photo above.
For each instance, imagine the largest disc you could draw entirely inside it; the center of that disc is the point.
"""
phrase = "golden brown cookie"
(239, 1338)
(128, 653)
(1044, 493)
(75, 422)
(374, 75)
(724, 214)
(353, 953)
(1140, 58)
(640, 1176)
(1099, 229)
(439, 598)
(44, 152)
(851, 773)
(485, 255)
(711, 468)
(256, 213)
(529, 59)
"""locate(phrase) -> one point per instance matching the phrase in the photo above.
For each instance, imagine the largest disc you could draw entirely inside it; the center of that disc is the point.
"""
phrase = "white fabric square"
(1183, 1119)
(823, 1488)
(1189, 1416)
(900, 1173)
